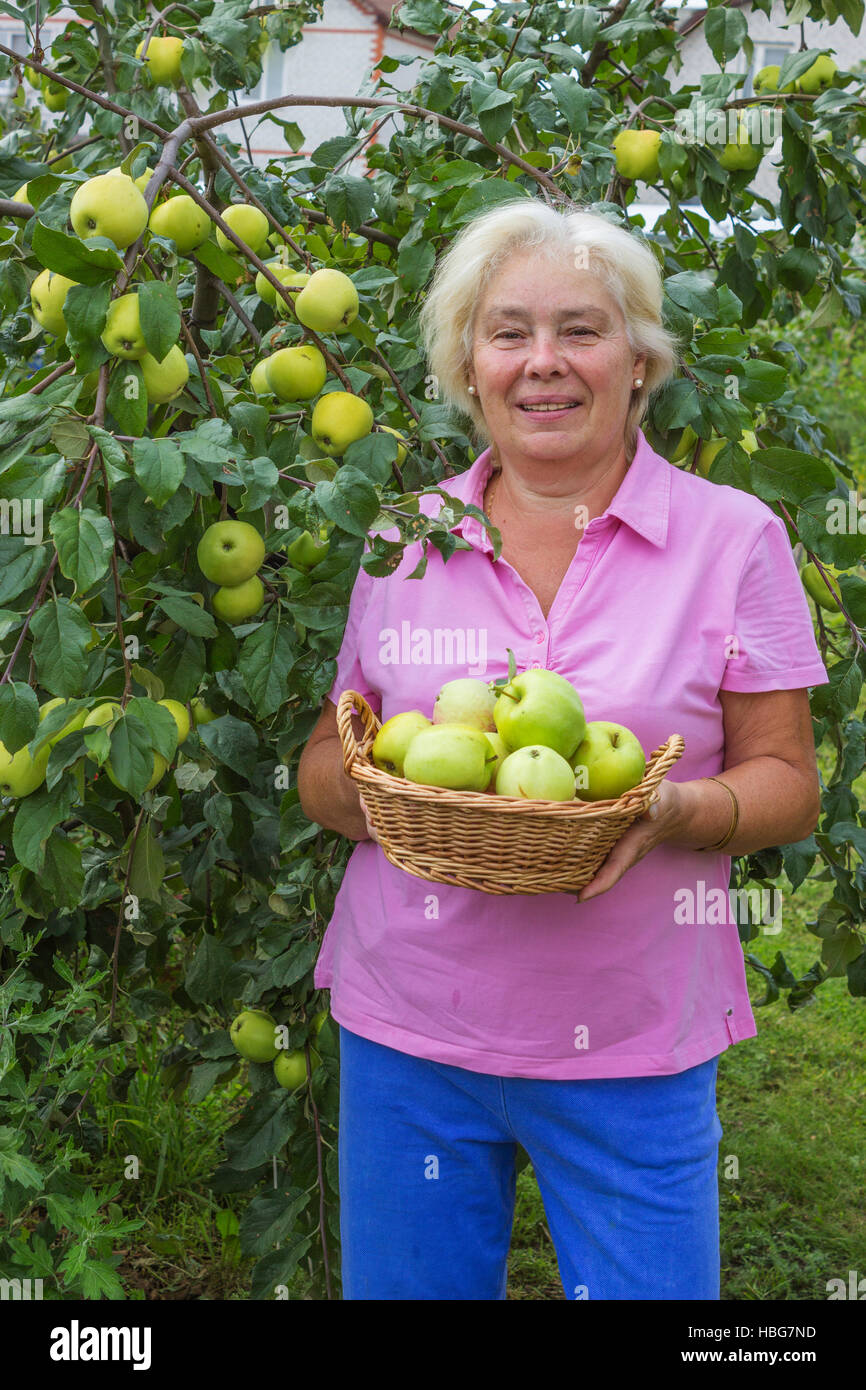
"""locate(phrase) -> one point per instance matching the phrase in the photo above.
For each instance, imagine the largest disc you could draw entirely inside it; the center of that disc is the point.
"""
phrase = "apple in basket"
(608, 761)
(457, 756)
(465, 701)
(536, 773)
(393, 739)
(540, 707)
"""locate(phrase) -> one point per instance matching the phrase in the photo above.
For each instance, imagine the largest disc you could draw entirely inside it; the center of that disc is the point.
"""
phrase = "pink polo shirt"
(682, 588)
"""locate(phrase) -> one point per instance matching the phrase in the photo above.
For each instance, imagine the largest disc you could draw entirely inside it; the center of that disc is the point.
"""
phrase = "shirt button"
(535, 666)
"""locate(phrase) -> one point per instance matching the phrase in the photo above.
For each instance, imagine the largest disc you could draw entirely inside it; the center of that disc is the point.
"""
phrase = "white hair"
(626, 266)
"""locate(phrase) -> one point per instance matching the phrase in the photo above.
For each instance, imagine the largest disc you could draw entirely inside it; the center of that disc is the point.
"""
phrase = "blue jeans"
(627, 1169)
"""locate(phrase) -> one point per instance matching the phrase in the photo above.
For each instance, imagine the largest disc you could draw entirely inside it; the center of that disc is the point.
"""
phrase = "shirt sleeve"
(773, 644)
(350, 673)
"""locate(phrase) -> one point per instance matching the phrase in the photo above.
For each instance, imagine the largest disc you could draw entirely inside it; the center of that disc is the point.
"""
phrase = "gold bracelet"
(713, 849)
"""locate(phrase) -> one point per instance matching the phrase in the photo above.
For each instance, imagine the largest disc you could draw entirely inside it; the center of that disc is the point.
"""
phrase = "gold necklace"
(493, 486)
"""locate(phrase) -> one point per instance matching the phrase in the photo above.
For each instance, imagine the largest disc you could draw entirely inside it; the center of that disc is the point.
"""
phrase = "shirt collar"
(642, 500)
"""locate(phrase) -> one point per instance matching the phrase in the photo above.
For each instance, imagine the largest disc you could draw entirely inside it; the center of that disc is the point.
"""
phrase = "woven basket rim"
(356, 755)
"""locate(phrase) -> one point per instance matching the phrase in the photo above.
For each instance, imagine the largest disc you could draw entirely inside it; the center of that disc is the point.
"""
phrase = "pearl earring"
(639, 382)
(471, 390)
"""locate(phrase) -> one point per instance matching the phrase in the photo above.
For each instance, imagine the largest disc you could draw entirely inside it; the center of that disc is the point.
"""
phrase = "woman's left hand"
(660, 821)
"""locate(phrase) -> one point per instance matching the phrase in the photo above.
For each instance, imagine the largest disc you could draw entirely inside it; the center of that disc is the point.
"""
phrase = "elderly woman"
(585, 1028)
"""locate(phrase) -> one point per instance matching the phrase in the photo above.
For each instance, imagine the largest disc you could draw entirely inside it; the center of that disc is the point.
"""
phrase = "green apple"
(535, 773)
(328, 303)
(304, 552)
(253, 1035)
(287, 275)
(290, 1068)
(259, 379)
(465, 701)
(69, 727)
(180, 715)
(159, 769)
(202, 713)
(102, 714)
(339, 418)
(47, 297)
(182, 221)
(497, 743)
(164, 380)
(392, 741)
(111, 206)
(19, 773)
(230, 552)
(235, 602)
(141, 181)
(609, 761)
(742, 154)
(162, 60)
(450, 755)
(819, 76)
(540, 707)
(247, 222)
(296, 373)
(767, 80)
(817, 587)
(122, 335)
(54, 96)
(401, 443)
(748, 441)
(637, 154)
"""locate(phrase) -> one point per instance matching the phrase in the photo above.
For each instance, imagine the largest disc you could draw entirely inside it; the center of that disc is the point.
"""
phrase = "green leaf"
(127, 398)
(147, 869)
(14, 1165)
(232, 742)
(62, 874)
(188, 615)
(573, 100)
(274, 1271)
(267, 1122)
(207, 972)
(725, 31)
(269, 1219)
(693, 291)
(87, 265)
(294, 964)
(84, 541)
(350, 500)
(267, 656)
(36, 817)
(224, 266)
(786, 473)
(160, 468)
(348, 199)
(159, 314)
(19, 715)
(84, 310)
(61, 633)
(414, 264)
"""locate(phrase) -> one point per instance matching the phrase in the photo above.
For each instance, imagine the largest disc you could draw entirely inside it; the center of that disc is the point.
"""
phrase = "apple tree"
(191, 341)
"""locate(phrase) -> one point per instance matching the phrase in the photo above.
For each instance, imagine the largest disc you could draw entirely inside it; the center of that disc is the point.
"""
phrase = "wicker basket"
(491, 843)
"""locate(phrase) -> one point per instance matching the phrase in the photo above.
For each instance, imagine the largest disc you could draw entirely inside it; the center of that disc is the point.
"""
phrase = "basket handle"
(351, 702)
